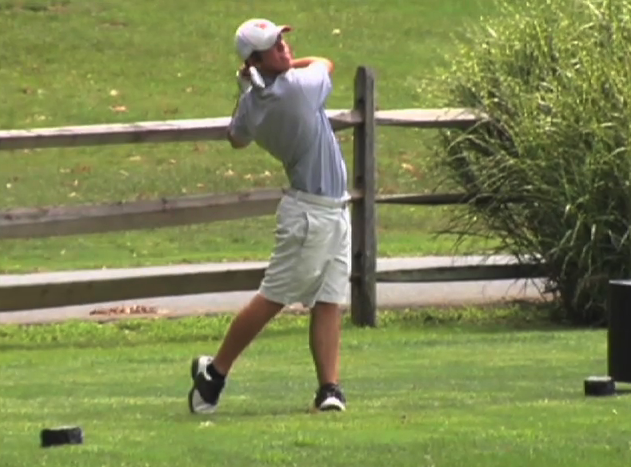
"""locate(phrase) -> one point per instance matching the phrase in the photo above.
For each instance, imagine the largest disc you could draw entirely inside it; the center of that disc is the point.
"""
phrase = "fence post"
(364, 245)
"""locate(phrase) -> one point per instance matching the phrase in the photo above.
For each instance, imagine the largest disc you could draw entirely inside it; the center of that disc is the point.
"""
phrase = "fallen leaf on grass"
(118, 108)
(413, 170)
(28, 91)
(295, 308)
(114, 92)
(81, 169)
(134, 158)
(58, 7)
(127, 310)
(114, 24)
(9, 185)
(72, 195)
(336, 32)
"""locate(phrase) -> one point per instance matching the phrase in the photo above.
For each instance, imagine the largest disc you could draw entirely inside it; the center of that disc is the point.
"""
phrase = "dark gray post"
(364, 244)
(619, 331)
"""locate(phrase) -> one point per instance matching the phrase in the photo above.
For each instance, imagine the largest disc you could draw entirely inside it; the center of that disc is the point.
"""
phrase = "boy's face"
(276, 59)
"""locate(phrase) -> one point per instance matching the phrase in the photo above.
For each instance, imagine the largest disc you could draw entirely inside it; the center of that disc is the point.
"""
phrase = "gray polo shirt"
(288, 120)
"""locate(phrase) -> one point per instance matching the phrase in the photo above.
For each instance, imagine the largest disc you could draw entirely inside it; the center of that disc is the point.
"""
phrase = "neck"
(268, 76)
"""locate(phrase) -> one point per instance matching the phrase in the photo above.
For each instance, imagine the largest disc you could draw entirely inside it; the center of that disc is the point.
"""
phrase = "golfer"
(283, 113)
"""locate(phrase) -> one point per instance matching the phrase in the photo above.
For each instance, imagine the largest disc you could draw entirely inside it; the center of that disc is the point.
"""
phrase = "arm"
(306, 61)
(238, 133)
(312, 76)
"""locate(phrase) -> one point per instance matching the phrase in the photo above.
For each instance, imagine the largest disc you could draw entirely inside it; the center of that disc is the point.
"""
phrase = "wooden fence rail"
(213, 129)
(362, 118)
(17, 295)
(165, 212)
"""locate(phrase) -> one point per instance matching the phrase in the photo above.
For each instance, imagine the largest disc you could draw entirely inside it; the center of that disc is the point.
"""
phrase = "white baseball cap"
(257, 35)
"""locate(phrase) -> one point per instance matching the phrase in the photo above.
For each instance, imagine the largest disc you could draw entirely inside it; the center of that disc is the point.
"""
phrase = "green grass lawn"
(434, 388)
(73, 62)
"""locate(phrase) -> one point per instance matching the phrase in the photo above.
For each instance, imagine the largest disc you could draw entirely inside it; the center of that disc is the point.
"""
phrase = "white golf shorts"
(311, 261)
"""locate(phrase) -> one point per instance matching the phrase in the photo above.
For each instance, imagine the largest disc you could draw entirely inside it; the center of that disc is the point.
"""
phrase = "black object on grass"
(599, 386)
(61, 435)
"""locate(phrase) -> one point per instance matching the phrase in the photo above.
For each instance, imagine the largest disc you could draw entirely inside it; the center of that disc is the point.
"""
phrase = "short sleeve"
(314, 81)
(240, 124)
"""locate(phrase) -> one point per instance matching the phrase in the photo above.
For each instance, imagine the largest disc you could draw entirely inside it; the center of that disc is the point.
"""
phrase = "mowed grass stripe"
(473, 390)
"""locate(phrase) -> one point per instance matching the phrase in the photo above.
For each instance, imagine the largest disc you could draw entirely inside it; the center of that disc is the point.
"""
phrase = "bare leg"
(243, 329)
(324, 341)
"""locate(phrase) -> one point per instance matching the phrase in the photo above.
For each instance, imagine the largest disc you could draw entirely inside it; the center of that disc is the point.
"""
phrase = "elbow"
(235, 143)
(329, 65)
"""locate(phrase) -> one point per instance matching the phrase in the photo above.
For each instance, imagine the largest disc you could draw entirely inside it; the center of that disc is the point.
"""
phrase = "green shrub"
(553, 78)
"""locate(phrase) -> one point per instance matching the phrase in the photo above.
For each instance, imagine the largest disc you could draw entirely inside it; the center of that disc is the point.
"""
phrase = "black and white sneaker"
(204, 395)
(199, 364)
(330, 397)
